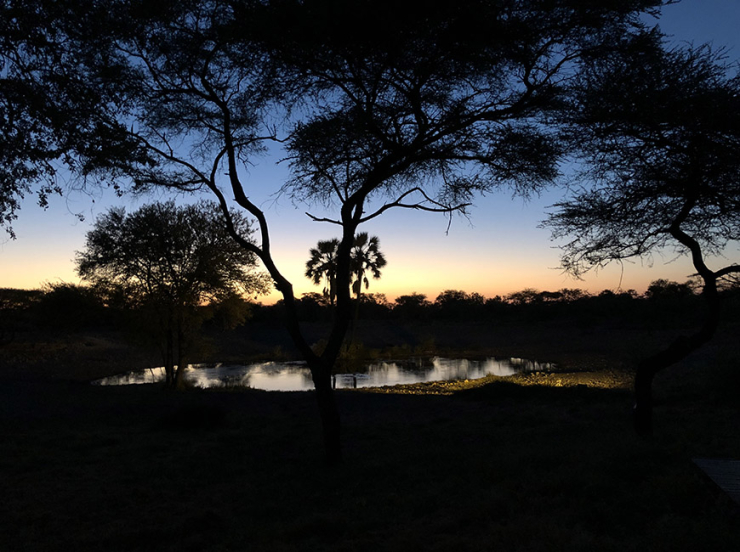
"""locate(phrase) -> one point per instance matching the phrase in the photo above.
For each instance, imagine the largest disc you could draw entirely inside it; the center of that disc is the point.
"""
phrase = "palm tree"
(366, 257)
(323, 266)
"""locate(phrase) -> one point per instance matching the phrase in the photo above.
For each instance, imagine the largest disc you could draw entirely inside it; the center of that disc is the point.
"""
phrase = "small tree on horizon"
(413, 305)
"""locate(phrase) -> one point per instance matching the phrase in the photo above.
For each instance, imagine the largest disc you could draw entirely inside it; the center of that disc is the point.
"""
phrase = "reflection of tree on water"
(137, 377)
(295, 376)
(234, 380)
(524, 365)
(347, 381)
(417, 365)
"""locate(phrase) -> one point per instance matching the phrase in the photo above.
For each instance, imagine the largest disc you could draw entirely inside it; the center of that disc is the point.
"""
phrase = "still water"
(295, 376)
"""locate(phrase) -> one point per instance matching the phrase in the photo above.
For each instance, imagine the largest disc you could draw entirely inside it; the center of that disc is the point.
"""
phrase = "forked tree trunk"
(351, 214)
(682, 347)
(321, 374)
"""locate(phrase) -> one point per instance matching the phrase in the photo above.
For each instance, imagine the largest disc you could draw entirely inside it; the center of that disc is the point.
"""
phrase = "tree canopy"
(322, 265)
(51, 119)
(169, 260)
(659, 132)
(379, 105)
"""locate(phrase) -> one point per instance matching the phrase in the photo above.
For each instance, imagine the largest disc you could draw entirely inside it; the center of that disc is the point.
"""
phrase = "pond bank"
(526, 463)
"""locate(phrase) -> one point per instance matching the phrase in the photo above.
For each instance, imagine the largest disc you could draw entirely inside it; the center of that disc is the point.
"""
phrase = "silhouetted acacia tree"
(170, 260)
(659, 133)
(49, 118)
(526, 296)
(420, 112)
(667, 289)
(382, 108)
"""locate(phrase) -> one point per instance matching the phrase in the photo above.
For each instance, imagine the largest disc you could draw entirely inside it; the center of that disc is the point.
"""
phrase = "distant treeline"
(63, 307)
(664, 300)
(69, 307)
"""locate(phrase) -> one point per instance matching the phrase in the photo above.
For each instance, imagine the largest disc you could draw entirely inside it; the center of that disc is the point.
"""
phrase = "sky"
(498, 249)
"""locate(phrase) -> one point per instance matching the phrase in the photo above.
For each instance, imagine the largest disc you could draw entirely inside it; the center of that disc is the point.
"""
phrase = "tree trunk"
(330, 419)
(180, 373)
(356, 316)
(682, 347)
(169, 361)
(643, 410)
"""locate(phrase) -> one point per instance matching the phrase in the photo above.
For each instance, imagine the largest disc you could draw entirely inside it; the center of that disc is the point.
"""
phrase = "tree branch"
(441, 208)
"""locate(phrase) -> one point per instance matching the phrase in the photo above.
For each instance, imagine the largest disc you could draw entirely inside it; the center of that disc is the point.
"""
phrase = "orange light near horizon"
(432, 279)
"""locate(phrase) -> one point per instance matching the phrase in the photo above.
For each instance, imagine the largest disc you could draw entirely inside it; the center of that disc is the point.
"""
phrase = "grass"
(531, 463)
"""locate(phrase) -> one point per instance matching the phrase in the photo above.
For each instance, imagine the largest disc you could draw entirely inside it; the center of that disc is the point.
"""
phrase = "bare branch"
(420, 206)
(320, 219)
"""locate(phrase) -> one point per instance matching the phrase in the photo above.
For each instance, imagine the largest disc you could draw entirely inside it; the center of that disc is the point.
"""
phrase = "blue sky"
(497, 250)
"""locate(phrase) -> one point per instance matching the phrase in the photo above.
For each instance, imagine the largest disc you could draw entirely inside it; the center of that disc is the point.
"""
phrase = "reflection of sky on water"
(294, 376)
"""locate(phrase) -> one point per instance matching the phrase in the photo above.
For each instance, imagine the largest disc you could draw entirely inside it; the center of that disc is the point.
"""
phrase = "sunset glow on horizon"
(498, 250)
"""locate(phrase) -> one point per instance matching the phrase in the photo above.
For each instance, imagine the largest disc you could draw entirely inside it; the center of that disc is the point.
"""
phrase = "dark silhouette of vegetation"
(412, 307)
(169, 260)
(322, 266)
(63, 306)
(14, 307)
(365, 257)
(386, 109)
(49, 117)
(653, 309)
(659, 133)
(457, 304)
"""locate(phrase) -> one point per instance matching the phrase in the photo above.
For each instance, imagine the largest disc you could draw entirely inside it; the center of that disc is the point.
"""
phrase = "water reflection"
(295, 376)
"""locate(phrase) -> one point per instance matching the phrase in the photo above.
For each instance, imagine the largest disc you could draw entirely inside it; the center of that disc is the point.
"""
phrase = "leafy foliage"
(162, 250)
(323, 266)
(436, 110)
(366, 257)
(659, 131)
(168, 260)
(50, 117)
